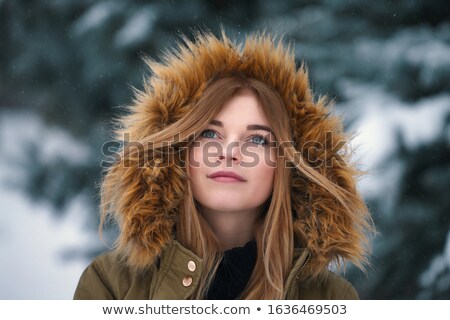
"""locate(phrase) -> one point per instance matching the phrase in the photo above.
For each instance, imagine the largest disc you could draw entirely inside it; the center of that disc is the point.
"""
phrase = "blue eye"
(207, 130)
(264, 141)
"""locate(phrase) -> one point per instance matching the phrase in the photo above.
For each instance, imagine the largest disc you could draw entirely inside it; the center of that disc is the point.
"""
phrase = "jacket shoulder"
(332, 287)
(107, 277)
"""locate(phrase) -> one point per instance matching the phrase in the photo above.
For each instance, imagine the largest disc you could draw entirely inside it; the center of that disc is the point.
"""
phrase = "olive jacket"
(145, 192)
(175, 276)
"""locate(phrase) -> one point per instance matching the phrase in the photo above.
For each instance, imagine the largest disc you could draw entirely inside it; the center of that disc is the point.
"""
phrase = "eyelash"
(256, 135)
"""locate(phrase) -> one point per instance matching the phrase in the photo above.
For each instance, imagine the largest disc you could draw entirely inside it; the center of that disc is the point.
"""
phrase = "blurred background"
(66, 67)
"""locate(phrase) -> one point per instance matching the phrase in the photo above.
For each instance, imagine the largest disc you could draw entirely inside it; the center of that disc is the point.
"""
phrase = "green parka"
(147, 262)
(176, 275)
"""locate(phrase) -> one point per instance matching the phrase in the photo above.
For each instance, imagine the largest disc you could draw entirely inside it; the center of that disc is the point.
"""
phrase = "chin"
(226, 205)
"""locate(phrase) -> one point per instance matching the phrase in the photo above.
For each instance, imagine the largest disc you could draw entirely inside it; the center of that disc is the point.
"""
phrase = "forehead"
(243, 108)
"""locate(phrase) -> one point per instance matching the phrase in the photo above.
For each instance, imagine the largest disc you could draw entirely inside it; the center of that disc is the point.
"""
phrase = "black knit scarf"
(233, 272)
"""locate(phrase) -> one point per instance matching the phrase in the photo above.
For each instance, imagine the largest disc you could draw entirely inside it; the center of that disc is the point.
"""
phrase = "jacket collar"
(180, 269)
(301, 258)
(178, 274)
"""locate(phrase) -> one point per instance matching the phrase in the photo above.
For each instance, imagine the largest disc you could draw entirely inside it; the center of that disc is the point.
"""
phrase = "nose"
(231, 152)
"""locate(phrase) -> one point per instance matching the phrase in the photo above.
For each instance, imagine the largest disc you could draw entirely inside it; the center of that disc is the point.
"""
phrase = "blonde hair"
(273, 232)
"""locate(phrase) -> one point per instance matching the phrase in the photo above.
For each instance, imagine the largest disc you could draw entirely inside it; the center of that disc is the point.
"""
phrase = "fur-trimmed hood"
(146, 216)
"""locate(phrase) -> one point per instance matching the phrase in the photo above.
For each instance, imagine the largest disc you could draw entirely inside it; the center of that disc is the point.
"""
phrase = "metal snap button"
(192, 266)
(187, 281)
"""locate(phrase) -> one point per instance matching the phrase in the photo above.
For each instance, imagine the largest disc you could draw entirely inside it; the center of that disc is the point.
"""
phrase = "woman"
(190, 231)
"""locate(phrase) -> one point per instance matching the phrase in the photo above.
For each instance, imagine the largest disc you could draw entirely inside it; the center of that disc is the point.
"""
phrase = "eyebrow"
(249, 127)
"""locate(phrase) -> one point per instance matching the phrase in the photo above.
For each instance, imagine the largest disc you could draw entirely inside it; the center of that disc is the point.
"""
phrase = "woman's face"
(227, 144)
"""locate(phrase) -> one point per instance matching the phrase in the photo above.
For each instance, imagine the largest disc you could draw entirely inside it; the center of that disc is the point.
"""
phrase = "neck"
(233, 229)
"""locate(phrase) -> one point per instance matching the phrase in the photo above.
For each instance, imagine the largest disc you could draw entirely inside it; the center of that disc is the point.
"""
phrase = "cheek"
(196, 162)
(194, 157)
(197, 168)
(264, 175)
(263, 161)
(256, 157)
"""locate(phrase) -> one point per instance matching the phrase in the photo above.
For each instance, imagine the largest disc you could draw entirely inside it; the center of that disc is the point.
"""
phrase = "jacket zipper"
(298, 271)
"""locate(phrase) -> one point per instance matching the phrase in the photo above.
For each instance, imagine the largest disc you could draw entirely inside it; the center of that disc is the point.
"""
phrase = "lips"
(227, 174)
